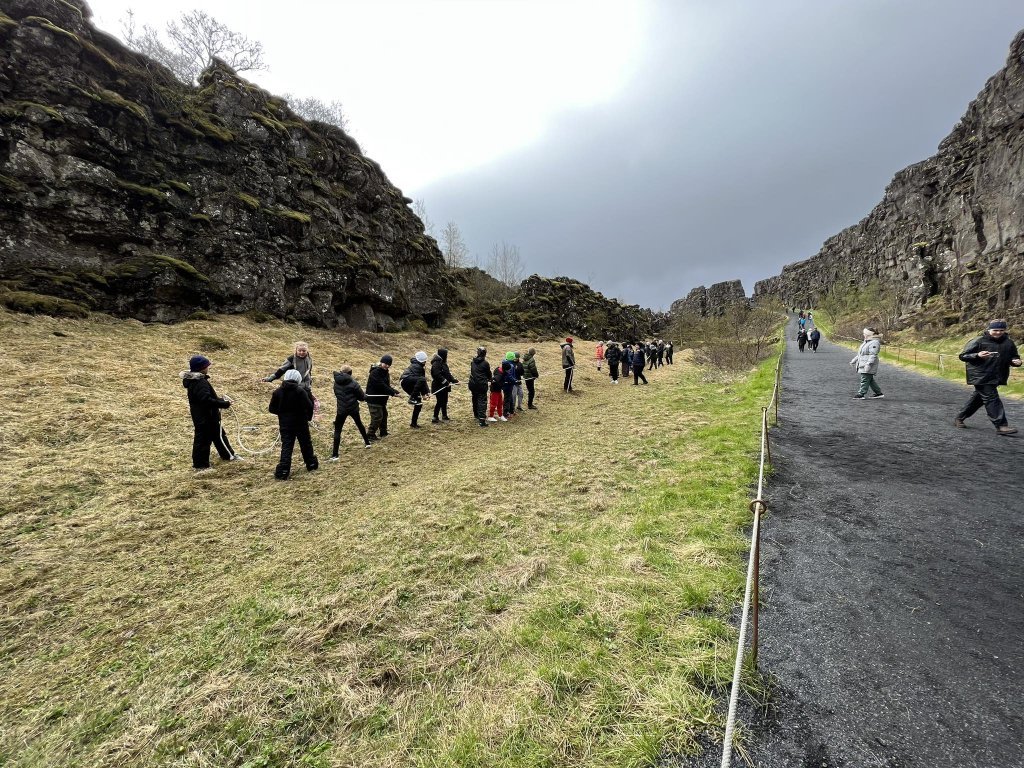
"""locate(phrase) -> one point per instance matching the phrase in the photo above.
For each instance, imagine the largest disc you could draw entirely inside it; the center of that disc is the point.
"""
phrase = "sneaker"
(532, 407)
(367, 445)
(236, 457)
(1006, 430)
(483, 423)
(333, 458)
(384, 434)
(445, 418)
(414, 426)
(958, 422)
(502, 419)
(876, 397)
(857, 397)
(491, 418)
(414, 401)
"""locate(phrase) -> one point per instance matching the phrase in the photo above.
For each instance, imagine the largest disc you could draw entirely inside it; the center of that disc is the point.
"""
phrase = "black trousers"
(650, 363)
(441, 402)
(567, 385)
(987, 395)
(479, 404)
(613, 370)
(378, 418)
(638, 373)
(339, 422)
(210, 433)
(668, 358)
(530, 391)
(661, 359)
(289, 434)
(508, 401)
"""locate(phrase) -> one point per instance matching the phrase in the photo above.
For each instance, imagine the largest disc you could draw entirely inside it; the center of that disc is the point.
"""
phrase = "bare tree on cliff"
(505, 264)
(312, 108)
(193, 41)
(420, 209)
(453, 246)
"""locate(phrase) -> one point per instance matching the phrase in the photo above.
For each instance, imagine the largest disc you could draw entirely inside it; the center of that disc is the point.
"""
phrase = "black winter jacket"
(440, 373)
(989, 370)
(414, 378)
(530, 367)
(378, 386)
(292, 404)
(348, 392)
(498, 378)
(479, 374)
(203, 403)
(612, 354)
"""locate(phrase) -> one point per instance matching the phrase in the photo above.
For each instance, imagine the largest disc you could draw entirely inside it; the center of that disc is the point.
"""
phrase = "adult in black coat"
(479, 380)
(205, 407)
(348, 394)
(441, 383)
(612, 354)
(801, 339)
(293, 405)
(668, 353)
(378, 391)
(813, 338)
(414, 383)
(638, 365)
(989, 358)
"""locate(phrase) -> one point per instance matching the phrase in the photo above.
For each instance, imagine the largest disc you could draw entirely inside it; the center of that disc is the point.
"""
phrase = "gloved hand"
(267, 378)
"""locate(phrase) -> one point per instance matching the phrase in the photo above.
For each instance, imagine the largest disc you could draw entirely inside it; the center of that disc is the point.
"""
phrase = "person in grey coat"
(866, 361)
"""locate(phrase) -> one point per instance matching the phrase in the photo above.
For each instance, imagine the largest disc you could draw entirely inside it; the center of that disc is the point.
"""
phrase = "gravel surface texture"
(892, 621)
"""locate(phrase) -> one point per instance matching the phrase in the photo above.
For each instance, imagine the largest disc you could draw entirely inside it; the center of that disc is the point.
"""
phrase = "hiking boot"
(1006, 430)
(958, 422)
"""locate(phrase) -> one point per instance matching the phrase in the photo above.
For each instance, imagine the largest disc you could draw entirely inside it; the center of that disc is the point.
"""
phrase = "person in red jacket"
(599, 354)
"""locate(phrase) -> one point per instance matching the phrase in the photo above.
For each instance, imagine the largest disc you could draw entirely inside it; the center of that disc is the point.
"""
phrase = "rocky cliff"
(127, 191)
(560, 305)
(711, 302)
(948, 236)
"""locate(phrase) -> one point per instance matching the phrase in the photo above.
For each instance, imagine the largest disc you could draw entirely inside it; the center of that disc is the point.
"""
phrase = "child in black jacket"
(349, 394)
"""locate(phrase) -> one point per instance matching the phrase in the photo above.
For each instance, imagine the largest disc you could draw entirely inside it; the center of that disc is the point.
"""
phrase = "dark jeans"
(530, 392)
(638, 373)
(987, 395)
(416, 413)
(441, 402)
(567, 384)
(508, 392)
(613, 370)
(339, 422)
(289, 434)
(378, 419)
(206, 435)
(479, 404)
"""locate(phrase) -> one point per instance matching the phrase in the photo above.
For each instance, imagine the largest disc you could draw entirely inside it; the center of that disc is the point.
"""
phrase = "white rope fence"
(750, 595)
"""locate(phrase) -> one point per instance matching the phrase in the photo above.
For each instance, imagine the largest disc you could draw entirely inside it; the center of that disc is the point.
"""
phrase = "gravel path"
(893, 588)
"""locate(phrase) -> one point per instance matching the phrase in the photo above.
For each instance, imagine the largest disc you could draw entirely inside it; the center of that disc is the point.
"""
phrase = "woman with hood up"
(349, 394)
(441, 383)
(530, 376)
(414, 383)
(479, 381)
(293, 406)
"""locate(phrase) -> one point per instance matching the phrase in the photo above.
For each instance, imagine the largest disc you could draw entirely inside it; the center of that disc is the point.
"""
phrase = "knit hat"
(997, 325)
(481, 351)
(421, 356)
(199, 363)
(568, 340)
(510, 355)
(387, 359)
(292, 375)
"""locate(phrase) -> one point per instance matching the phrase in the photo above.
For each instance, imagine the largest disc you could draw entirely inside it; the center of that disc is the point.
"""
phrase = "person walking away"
(661, 352)
(809, 320)
(349, 394)
(813, 338)
(204, 406)
(599, 354)
(652, 355)
(530, 376)
(508, 385)
(613, 355)
(668, 353)
(638, 365)
(378, 391)
(441, 383)
(414, 383)
(517, 394)
(866, 361)
(495, 408)
(568, 364)
(801, 339)
(293, 406)
(627, 361)
(479, 381)
(988, 359)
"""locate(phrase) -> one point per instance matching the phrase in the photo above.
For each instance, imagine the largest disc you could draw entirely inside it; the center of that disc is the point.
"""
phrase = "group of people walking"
(633, 358)
(498, 394)
(807, 333)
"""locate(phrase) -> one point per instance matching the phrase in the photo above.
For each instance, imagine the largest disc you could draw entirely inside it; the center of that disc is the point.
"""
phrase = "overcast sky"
(644, 147)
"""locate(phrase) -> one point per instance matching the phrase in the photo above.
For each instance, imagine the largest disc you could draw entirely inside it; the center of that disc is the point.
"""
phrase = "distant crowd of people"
(497, 394)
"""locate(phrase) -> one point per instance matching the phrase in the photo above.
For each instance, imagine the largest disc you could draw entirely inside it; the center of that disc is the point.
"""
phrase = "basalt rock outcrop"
(948, 236)
(126, 191)
(560, 305)
(711, 302)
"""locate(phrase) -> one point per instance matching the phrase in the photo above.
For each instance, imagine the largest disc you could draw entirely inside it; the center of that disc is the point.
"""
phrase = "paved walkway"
(893, 587)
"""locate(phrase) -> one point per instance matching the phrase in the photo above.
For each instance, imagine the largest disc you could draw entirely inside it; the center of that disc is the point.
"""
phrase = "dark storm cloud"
(752, 132)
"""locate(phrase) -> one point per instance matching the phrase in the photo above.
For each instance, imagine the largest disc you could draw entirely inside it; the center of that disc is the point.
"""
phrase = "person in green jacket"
(530, 376)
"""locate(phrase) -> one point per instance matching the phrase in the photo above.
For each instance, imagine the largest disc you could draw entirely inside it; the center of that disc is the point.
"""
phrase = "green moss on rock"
(37, 303)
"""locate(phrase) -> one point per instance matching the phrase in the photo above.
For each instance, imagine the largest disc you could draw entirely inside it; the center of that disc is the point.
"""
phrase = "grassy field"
(555, 591)
(899, 350)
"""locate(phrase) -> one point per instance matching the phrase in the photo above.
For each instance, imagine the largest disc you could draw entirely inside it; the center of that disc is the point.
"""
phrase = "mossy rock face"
(35, 303)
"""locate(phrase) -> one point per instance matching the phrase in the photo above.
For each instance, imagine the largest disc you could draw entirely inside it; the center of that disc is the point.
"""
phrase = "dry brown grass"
(552, 591)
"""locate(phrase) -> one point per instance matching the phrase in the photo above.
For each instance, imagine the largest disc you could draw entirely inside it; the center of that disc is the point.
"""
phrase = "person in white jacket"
(866, 361)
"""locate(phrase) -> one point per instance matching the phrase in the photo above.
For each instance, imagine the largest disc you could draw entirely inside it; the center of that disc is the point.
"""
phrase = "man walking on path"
(866, 361)
(988, 360)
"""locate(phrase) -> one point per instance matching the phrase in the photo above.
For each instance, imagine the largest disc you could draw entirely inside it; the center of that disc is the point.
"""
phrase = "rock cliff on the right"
(948, 236)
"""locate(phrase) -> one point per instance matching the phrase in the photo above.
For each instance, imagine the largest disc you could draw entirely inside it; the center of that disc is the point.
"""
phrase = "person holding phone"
(988, 359)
